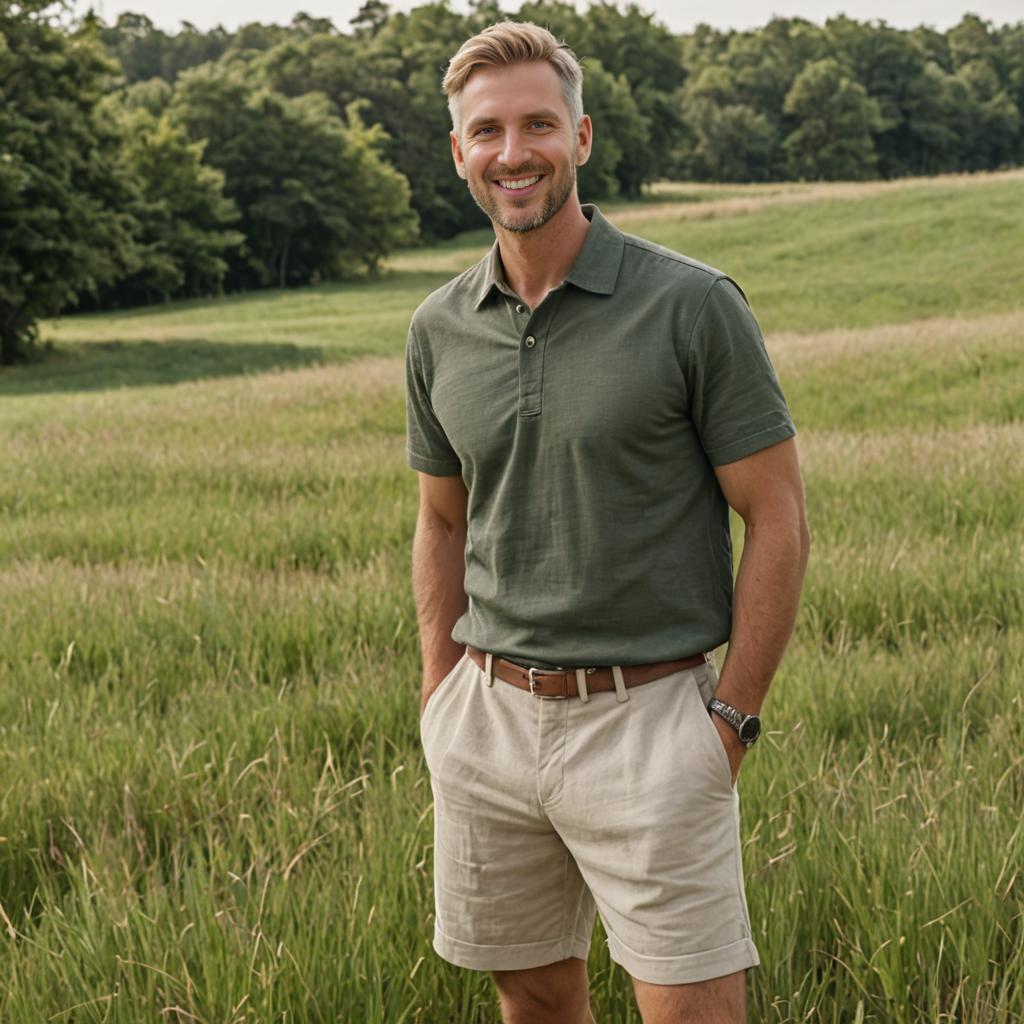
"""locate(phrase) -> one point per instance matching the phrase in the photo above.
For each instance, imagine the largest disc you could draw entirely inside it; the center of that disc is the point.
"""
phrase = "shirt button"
(520, 308)
(531, 341)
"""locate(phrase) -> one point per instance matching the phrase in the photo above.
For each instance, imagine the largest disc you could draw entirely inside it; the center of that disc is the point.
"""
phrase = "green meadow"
(213, 802)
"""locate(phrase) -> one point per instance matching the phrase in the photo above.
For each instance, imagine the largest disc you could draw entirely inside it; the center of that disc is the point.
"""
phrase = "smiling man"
(583, 409)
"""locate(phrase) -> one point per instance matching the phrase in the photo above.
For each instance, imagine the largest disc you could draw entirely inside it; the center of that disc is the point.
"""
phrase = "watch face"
(750, 729)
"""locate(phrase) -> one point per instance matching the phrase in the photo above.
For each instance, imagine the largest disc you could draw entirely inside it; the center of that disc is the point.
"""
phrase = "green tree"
(64, 229)
(370, 18)
(936, 120)
(892, 70)
(137, 45)
(734, 94)
(421, 44)
(154, 96)
(702, 48)
(934, 45)
(347, 69)
(732, 142)
(991, 132)
(183, 231)
(619, 131)
(715, 84)
(190, 47)
(315, 197)
(970, 40)
(835, 118)
(1011, 49)
(765, 63)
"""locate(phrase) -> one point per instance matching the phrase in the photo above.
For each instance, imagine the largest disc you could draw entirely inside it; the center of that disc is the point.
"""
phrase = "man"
(583, 408)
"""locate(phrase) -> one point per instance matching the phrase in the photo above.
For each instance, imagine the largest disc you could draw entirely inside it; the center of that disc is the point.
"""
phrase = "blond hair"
(512, 42)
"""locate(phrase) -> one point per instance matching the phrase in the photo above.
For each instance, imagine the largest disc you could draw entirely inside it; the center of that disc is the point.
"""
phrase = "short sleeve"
(736, 402)
(427, 446)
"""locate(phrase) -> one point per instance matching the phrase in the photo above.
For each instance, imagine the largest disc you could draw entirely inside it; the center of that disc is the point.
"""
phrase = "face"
(518, 149)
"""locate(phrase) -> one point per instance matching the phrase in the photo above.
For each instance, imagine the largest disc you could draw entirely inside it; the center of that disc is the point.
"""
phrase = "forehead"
(512, 89)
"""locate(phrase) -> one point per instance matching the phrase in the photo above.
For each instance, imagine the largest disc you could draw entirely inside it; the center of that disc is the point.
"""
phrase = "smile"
(520, 184)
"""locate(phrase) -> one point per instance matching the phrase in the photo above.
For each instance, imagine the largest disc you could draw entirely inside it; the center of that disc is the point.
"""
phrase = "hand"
(427, 690)
(426, 694)
(731, 741)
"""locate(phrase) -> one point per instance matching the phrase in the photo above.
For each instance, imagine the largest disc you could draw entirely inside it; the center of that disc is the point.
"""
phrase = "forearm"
(438, 582)
(765, 603)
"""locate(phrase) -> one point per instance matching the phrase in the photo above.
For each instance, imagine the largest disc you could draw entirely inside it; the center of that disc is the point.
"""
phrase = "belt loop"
(489, 669)
(581, 684)
(620, 684)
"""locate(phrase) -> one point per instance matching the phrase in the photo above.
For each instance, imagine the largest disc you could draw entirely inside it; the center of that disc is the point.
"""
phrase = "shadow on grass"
(386, 282)
(100, 366)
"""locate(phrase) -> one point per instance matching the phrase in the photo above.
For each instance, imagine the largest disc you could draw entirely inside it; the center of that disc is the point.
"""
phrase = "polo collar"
(595, 269)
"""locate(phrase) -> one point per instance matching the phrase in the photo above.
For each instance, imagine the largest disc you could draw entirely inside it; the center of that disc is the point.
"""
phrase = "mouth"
(522, 186)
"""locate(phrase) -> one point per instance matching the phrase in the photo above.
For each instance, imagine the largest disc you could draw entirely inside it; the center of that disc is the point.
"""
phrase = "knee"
(533, 1008)
(528, 998)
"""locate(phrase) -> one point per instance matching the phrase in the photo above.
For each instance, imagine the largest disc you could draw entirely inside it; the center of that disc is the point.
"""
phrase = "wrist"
(745, 726)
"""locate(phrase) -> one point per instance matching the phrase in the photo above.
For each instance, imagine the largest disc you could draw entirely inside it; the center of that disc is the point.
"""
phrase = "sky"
(678, 15)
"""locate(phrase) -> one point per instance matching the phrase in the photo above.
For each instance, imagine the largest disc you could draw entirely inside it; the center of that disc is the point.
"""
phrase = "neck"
(537, 261)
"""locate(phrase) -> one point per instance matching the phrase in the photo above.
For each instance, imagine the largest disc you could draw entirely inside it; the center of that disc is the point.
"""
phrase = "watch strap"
(732, 715)
(748, 727)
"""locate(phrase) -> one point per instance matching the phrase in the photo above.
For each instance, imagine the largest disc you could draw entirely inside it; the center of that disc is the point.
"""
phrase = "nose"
(515, 150)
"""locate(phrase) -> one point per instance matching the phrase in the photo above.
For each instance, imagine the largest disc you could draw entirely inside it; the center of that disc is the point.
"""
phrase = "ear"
(584, 140)
(460, 167)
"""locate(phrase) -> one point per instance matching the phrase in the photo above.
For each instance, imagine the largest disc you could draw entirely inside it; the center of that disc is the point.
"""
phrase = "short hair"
(513, 42)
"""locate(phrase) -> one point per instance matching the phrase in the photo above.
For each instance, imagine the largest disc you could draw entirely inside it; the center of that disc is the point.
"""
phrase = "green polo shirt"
(586, 431)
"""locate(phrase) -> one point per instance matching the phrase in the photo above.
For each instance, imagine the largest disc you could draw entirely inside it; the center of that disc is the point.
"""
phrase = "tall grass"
(213, 804)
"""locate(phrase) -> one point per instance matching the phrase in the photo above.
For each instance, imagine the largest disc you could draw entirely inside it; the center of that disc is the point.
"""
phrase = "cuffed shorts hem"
(690, 967)
(507, 958)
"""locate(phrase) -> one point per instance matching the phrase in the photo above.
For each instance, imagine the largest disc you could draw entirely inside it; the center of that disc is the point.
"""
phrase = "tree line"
(138, 165)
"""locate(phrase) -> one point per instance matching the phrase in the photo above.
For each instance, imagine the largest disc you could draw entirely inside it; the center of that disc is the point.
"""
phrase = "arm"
(438, 572)
(766, 490)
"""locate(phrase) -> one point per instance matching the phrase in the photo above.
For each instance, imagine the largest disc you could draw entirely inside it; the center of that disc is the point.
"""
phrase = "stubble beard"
(554, 200)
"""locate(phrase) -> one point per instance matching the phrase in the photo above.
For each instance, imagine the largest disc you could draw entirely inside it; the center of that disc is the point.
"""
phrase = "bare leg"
(553, 994)
(716, 1001)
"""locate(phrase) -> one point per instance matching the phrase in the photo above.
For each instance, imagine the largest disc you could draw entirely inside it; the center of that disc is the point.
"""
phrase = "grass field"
(213, 803)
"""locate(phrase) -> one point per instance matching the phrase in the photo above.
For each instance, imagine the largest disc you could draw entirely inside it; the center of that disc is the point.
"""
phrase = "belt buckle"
(548, 672)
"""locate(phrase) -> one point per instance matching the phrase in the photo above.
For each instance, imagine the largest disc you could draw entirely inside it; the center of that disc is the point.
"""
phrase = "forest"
(139, 166)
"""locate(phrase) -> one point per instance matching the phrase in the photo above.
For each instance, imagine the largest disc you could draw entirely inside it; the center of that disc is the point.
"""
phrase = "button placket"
(532, 352)
(531, 369)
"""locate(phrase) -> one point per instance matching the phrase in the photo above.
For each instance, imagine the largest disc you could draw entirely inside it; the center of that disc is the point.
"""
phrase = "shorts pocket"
(717, 752)
(436, 693)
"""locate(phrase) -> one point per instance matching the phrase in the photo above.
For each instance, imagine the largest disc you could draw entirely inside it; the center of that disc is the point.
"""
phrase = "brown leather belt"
(554, 684)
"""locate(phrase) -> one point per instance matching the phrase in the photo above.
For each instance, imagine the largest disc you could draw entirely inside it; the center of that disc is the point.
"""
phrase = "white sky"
(678, 16)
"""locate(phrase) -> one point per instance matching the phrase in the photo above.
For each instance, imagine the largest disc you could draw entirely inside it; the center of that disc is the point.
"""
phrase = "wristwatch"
(747, 726)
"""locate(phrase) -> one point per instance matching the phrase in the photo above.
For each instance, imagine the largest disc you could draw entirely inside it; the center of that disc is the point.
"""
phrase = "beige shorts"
(546, 811)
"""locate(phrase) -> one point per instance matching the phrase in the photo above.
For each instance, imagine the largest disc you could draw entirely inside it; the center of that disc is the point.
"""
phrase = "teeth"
(524, 183)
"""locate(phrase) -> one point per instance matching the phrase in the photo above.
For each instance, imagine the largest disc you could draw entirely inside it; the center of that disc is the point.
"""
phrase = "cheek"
(476, 164)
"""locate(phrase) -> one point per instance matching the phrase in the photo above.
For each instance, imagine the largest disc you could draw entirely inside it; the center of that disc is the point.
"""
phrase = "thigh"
(652, 819)
(715, 1001)
(507, 893)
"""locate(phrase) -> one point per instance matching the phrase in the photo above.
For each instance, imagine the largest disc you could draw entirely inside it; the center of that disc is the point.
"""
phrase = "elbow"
(436, 523)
